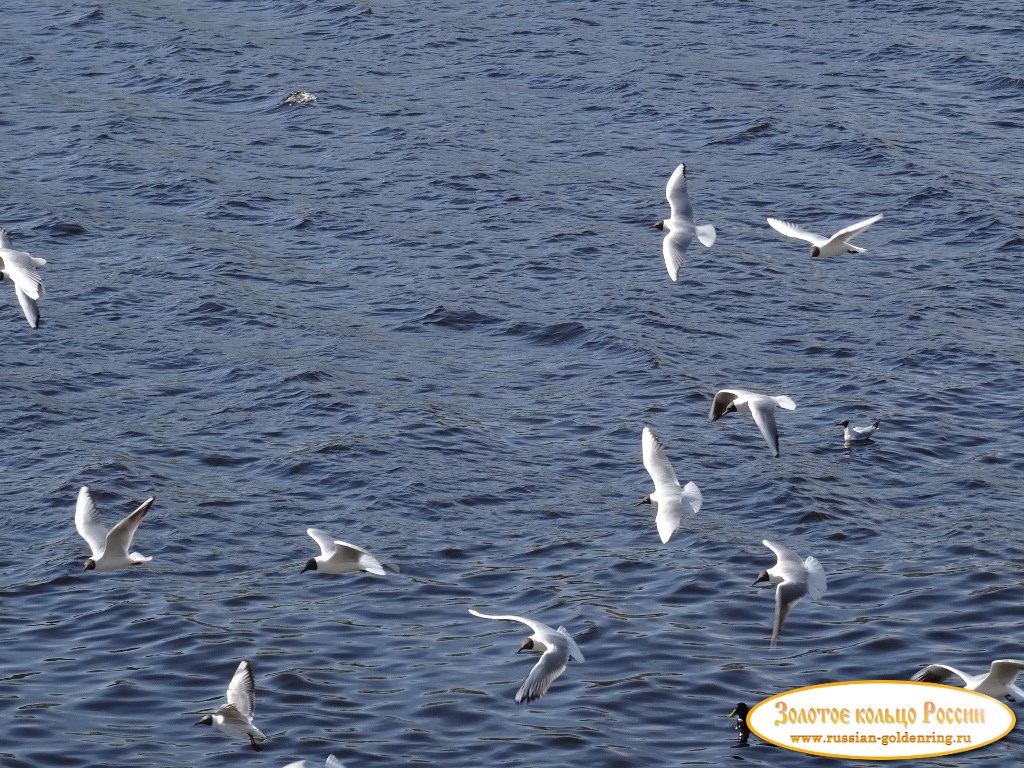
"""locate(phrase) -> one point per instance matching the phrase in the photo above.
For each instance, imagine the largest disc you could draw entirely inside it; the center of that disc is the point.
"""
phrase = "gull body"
(679, 227)
(556, 648)
(997, 683)
(341, 557)
(672, 500)
(857, 434)
(825, 246)
(235, 717)
(760, 407)
(109, 548)
(332, 762)
(18, 268)
(794, 578)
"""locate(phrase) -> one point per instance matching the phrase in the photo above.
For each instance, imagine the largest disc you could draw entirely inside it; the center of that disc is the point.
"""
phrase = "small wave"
(747, 134)
(557, 333)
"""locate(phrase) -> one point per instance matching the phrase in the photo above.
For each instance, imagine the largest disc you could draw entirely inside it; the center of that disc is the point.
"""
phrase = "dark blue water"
(428, 314)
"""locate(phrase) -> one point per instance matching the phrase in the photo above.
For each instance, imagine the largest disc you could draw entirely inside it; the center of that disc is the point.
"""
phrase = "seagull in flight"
(18, 268)
(341, 557)
(795, 578)
(672, 500)
(555, 647)
(761, 407)
(997, 683)
(825, 246)
(679, 227)
(109, 548)
(235, 717)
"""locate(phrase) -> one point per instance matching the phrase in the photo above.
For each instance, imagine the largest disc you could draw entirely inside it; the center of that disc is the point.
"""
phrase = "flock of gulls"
(793, 578)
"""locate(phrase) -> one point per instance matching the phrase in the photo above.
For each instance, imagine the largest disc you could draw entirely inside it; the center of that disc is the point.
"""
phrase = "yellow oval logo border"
(928, 692)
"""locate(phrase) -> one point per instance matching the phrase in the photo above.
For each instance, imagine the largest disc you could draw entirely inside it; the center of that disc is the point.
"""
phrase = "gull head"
(207, 720)
(644, 500)
(90, 565)
(310, 565)
(659, 224)
(815, 250)
(762, 576)
(843, 423)
(528, 645)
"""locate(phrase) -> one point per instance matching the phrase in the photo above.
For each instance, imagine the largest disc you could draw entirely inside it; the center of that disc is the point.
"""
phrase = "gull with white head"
(556, 648)
(672, 499)
(679, 227)
(109, 548)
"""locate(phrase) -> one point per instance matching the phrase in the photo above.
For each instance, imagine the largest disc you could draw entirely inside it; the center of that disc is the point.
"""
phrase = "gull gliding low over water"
(332, 762)
(795, 578)
(556, 647)
(825, 246)
(109, 548)
(997, 683)
(857, 434)
(341, 557)
(679, 227)
(672, 500)
(18, 268)
(235, 717)
(761, 407)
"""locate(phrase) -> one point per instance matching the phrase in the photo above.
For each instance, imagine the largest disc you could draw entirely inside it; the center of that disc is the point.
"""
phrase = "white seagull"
(332, 762)
(555, 646)
(341, 557)
(109, 548)
(18, 268)
(857, 434)
(825, 246)
(668, 495)
(680, 227)
(761, 407)
(235, 717)
(997, 683)
(795, 578)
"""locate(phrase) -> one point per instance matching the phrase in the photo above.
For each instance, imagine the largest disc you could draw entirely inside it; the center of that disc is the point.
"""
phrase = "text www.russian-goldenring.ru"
(884, 740)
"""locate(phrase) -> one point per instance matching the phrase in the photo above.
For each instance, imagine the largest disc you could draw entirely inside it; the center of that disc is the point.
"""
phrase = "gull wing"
(119, 539)
(28, 306)
(345, 552)
(673, 248)
(792, 230)
(21, 268)
(670, 512)
(678, 196)
(787, 594)
(854, 229)
(324, 539)
(788, 564)
(574, 650)
(551, 664)
(87, 521)
(763, 411)
(241, 692)
(937, 673)
(333, 762)
(657, 465)
(1005, 671)
(536, 626)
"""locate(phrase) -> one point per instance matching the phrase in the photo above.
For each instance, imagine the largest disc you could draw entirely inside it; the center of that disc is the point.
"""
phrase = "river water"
(428, 313)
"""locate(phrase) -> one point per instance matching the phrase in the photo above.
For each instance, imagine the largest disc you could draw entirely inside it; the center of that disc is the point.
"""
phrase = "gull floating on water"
(556, 648)
(761, 407)
(235, 717)
(109, 548)
(18, 268)
(857, 434)
(825, 246)
(679, 227)
(332, 762)
(671, 499)
(997, 683)
(795, 578)
(341, 557)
